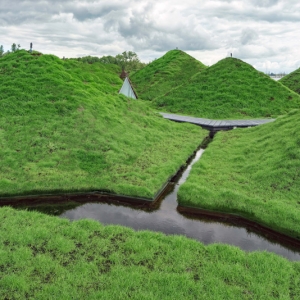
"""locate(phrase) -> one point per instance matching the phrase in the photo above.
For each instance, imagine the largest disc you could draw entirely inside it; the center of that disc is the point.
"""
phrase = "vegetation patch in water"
(230, 89)
(46, 257)
(64, 128)
(253, 172)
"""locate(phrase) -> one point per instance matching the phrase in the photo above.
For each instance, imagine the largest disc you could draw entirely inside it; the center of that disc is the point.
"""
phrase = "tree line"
(128, 60)
(14, 48)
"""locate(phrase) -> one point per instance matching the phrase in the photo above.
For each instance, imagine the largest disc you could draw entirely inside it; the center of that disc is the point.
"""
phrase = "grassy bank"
(165, 73)
(64, 128)
(253, 172)
(45, 257)
(229, 89)
(292, 81)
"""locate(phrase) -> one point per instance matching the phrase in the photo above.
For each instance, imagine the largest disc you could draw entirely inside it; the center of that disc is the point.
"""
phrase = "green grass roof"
(65, 128)
(253, 172)
(292, 81)
(174, 68)
(230, 89)
(45, 257)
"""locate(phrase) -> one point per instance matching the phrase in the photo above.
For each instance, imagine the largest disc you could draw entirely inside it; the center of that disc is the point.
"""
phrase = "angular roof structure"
(127, 89)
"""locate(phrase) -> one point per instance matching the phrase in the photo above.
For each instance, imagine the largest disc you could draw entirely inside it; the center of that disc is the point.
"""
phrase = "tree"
(108, 60)
(129, 61)
(1, 50)
(15, 47)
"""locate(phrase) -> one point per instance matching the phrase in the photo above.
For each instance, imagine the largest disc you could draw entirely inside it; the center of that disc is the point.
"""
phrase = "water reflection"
(165, 218)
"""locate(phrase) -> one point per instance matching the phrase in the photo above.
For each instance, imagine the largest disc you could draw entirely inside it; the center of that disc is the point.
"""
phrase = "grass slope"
(64, 128)
(160, 76)
(230, 89)
(292, 81)
(45, 257)
(253, 172)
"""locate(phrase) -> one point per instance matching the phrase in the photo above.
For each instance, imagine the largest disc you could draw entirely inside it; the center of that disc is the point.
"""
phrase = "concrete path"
(216, 125)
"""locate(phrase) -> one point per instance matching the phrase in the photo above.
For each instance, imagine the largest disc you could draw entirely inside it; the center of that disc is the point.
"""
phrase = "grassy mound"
(230, 89)
(156, 79)
(64, 128)
(253, 172)
(46, 257)
(292, 81)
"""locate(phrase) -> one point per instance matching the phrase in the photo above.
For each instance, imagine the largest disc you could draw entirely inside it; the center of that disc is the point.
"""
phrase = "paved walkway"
(216, 125)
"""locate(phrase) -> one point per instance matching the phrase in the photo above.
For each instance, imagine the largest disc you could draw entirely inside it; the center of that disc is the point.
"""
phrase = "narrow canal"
(165, 218)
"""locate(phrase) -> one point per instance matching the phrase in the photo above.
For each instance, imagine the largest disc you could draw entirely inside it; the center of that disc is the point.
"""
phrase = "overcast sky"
(264, 33)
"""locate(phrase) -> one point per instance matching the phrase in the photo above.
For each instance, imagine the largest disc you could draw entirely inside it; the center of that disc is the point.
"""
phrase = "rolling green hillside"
(253, 172)
(64, 128)
(292, 81)
(45, 257)
(160, 76)
(230, 89)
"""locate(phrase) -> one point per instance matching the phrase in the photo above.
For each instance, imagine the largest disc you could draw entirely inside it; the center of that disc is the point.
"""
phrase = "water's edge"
(237, 220)
(164, 215)
(100, 195)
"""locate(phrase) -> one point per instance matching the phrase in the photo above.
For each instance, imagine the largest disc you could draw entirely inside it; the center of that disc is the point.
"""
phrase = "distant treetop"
(14, 48)
(128, 60)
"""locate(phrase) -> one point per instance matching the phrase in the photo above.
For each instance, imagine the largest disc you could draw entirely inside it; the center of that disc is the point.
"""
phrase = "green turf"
(253, 172)
(43, 257)
(64, 128)
(230, 89)
(292, 81)
(160, 76)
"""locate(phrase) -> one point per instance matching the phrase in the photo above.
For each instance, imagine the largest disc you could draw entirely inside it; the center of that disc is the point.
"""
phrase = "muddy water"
(165, 218)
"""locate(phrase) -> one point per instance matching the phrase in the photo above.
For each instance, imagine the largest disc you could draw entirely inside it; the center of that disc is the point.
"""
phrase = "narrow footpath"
(216, 125)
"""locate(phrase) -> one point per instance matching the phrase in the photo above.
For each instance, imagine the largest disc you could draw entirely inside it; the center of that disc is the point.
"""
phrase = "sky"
(264, 33)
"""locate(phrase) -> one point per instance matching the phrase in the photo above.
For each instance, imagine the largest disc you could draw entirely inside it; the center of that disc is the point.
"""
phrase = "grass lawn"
(43, 257)
(230, 89)
(292, 81)
(64, 128)
(165, 73)
(253, 172)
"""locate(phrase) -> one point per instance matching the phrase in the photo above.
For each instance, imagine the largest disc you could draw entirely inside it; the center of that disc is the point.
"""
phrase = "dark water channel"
(165, 218)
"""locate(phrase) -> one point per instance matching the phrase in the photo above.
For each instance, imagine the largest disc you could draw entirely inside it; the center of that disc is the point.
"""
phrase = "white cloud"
(264, 33)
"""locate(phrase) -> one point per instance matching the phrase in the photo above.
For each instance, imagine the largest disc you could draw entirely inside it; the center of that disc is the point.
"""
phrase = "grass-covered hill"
(45, 257)
(230, 89)
(160, 76)
(253, 172)
(65, 128)
(292, 81)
